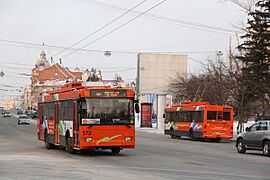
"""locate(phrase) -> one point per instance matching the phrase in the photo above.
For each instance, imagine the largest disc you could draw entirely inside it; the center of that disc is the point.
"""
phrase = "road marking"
(189, 171)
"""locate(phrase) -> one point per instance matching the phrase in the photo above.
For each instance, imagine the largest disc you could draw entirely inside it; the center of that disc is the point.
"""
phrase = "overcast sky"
(63, 22)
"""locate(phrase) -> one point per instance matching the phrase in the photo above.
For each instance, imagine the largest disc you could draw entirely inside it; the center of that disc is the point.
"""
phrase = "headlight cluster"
(89, 139)
(128, 138)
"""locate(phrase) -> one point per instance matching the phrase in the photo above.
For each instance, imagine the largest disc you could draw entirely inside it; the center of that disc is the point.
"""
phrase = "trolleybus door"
(75, 123)
(56, 117)
(40, 121)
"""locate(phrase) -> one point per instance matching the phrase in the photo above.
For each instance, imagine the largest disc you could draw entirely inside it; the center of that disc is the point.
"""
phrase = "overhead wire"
(34, 45)
(12, 67)
(178, 45)
(19, 64)
(164, 18)
(197, 61)
(115, 29)
(69, 67)
(113, 51)
(10, 86)
(101, 28)
(112, 7)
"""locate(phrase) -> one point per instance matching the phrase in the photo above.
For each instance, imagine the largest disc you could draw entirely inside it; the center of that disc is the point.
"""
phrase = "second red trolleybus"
(199, 120)
(81, 117)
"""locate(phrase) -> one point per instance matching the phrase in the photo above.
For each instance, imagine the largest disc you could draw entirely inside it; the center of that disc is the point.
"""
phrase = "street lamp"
(2, 73)
(219, 53)
(107, 53)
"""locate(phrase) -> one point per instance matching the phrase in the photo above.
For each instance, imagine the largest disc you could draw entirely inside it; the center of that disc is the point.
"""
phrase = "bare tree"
(211, 86)
(246, 5)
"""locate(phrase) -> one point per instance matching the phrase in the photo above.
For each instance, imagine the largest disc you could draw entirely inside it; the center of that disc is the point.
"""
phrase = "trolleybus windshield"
(107, 111)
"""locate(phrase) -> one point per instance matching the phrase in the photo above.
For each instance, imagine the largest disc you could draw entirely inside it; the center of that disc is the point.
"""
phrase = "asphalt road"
(156, 156)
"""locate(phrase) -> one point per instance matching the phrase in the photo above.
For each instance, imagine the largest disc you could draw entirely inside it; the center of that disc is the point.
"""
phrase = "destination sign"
(108, 93)
(226, 109)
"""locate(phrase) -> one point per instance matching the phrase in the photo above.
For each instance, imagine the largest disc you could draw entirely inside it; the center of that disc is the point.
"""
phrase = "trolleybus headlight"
(127, 138)
(88, 139)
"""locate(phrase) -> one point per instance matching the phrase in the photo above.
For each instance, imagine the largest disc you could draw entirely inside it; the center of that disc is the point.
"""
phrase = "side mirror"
(247, 129)
(137, 110)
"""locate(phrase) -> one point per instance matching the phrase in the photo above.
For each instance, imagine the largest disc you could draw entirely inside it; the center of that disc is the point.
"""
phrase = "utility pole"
(237, 64)
(230, 57)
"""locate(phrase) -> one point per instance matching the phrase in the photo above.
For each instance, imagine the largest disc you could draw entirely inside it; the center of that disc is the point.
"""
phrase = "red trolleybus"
(199, 120)
(81, 117)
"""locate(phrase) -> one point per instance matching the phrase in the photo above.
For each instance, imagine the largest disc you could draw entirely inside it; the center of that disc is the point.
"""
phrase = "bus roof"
(190, 106)
(79, 85)
(77, 89)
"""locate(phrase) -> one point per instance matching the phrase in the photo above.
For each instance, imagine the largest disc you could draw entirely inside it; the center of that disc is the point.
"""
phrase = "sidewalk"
(161, 131)
(150, 130)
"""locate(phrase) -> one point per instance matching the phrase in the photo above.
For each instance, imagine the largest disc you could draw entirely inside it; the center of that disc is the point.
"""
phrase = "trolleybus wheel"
(172, 136)
(215, 140)
(69, 144)
(116, 150)
(191, 134)
(46, 139)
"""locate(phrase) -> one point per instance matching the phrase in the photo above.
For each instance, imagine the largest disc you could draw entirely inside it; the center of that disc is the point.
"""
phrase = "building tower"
(42, 62)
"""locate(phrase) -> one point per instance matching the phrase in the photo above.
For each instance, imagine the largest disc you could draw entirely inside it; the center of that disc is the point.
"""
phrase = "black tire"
(241, 147)
(69, 147)
(46, 140)
(191, 134)
(116, 150)
(266, 148)
(216, 140)
(172, 136)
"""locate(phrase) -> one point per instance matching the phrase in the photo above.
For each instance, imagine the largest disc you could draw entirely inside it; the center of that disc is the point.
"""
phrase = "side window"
(211, 115)
(185, 116)
(226, 115)
(254, 127)
(167, 117)
(178, 119)
(262, 126)
(220, 115)
(181, 116)
(175, 117)
(189, 116)
(199, 116)
(192, 115)
(171, 117)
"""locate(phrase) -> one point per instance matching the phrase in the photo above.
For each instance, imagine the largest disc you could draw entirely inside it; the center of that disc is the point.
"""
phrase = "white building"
(155, 72)
(27, 98)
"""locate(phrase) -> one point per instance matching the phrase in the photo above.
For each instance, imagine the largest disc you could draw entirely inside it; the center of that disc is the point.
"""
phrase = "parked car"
(23, 119)
(19, 111)
(256, 137)
(31, 113)
(34, 115)
(6, 114)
